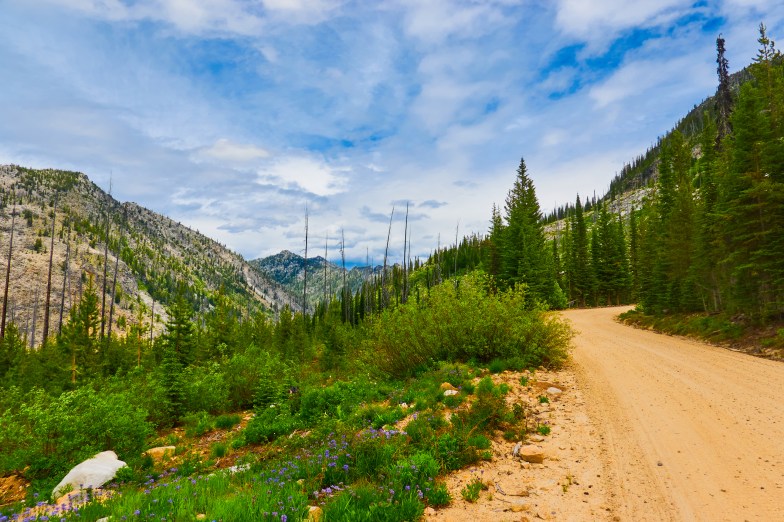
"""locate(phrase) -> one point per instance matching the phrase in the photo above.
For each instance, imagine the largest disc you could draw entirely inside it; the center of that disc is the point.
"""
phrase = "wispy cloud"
(232, 115)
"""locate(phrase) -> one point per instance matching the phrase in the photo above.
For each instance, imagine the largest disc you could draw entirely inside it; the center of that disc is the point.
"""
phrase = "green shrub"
(205, 389)
(453, 401)
(227, 422)
(417, 470)
(497, 366)
(466, 323)
(338, 400)
(453, 452)
(472, 490)
(268, 425)
(438, 495)
(218, 450)
(197, 424)
(479, 442)
(47, 436)
(367, 503)
(241, 374)
(375, 451)
(377, 416)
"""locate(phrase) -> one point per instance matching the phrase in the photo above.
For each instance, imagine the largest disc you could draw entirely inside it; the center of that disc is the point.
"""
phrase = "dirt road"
(690, 431)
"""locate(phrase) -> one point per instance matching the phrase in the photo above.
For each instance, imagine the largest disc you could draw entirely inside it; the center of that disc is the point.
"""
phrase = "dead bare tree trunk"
(457, 245)
(114, 289)
(384, 291)
(305, 268)
(105, 261)
(49, 276)
(405, 264)
(152, 320)
(105, 275)
(344, 291)
(408, 262)
(65, 279)
(8, 268)
(437, 275)
(326, 264)
(35, 320)
(114, 278)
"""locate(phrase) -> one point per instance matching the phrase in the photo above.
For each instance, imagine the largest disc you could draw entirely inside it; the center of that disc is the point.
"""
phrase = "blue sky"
(232, 115)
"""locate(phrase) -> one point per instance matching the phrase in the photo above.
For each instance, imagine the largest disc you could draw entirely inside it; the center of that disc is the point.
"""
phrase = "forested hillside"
(55, 226)
(694, 225)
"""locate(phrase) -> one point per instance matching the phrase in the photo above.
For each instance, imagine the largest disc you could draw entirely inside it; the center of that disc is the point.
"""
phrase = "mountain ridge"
(158, 257)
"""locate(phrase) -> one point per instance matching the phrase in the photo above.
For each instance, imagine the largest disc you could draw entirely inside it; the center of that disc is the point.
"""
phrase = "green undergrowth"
(352, 461)
(326, 405)
(712, 328)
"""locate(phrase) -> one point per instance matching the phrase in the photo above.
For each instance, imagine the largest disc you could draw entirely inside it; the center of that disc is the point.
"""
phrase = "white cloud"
(232, 153)
(434, 21)
(305, 173)
(598, 22)
(188, 16)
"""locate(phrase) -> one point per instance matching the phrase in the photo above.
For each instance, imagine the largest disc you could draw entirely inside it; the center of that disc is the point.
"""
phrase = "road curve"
(690, 431)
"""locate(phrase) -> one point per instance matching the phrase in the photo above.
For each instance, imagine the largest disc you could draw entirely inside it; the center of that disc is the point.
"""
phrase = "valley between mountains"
(648, 427)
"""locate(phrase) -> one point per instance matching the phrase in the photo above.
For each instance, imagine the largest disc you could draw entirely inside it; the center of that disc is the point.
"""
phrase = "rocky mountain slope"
(157, 255)
(288, 269)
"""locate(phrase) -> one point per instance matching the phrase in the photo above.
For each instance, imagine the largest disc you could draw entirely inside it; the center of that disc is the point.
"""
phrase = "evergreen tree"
(580, 262)
(179, 339)
(524, 257)
(723, 94)
(79, 338)
(495, 244)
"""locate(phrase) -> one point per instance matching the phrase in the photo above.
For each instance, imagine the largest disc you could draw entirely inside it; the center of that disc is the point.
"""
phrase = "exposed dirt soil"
(648, 427)
(690, 431)
(568, 485)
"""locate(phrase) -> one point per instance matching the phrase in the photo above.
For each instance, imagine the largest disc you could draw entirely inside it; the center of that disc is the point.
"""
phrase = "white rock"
(448, 393)
(552, 390)
(92, 473)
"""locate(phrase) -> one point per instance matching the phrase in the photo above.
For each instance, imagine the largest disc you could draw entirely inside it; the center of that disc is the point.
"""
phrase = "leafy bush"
(375, 451)
(367, 503)
(227, 422)
(466, 323)
(268, 425)
(241, 374)
(453, 452)
(273, 383)
(51, 435)
(472, 490)
(337, 400)
(205, 389)
(218, 450)
(197, 424)
(377, 416)
(438, 496)
(497, 365)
